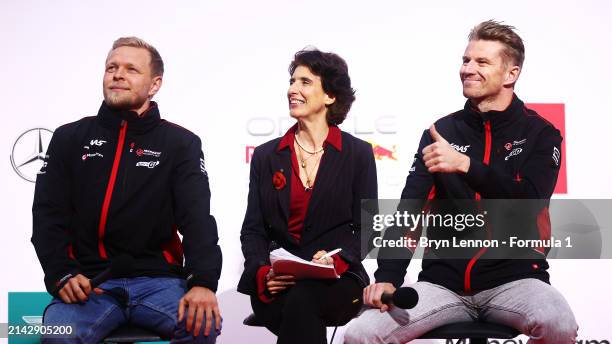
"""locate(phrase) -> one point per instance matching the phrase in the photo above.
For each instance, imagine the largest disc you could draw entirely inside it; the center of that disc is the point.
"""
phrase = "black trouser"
(301, 313)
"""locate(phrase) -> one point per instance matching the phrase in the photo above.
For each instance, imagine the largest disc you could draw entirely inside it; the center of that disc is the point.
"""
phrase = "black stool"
(478, 332)
(131, 334)
(252, 320)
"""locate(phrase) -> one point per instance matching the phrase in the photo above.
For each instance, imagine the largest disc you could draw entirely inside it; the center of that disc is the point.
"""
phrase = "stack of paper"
(286, 263)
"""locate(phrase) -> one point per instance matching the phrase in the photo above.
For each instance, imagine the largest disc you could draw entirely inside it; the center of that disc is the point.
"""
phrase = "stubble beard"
(122, 102)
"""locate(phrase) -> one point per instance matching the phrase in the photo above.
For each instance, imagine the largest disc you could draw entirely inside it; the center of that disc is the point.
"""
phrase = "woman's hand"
(326, 261)
(276, 284)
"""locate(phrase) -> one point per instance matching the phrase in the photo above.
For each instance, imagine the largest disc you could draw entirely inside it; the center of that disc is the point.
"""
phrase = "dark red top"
(299, 201)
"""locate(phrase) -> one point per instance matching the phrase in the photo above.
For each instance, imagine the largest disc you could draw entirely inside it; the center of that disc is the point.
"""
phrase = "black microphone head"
(405, 298)
(121, 265)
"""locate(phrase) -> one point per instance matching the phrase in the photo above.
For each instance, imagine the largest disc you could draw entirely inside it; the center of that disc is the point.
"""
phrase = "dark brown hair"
(333, 71)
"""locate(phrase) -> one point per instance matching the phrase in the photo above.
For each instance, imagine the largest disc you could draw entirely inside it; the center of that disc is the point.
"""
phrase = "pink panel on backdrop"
(555, 113)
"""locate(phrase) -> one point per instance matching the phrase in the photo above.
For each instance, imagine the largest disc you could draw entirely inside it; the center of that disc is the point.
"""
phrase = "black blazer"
(333, 218)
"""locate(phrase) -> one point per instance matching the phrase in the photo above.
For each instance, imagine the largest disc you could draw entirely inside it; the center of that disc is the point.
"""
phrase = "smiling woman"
(305, 193)
(324, 75)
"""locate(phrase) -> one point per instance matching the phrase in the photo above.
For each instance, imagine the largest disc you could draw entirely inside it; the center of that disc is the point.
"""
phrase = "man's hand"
(77, 289)
(373, 293)
(441, 157)
(325, 261)
(278, 283)
(200, 302)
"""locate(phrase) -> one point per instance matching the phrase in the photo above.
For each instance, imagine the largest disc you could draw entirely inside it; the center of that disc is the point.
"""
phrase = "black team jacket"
(116, 184)
(514, 154)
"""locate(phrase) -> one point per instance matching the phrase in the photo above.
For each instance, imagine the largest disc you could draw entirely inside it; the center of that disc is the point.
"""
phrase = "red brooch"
(278, 180)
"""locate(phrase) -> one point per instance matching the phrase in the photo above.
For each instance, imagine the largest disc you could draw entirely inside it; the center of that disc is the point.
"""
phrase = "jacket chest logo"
(514, 143)
(514, 152)
(148, 164)
(97, 142)
(143, 151)
(86, 156)
(512, 147)
(89, 150)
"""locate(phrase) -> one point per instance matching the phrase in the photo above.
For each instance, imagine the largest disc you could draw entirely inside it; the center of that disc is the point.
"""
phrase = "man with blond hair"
(114, 192)
(494, 148)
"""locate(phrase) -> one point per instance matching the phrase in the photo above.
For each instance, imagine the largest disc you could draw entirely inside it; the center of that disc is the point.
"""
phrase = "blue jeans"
(148, 302)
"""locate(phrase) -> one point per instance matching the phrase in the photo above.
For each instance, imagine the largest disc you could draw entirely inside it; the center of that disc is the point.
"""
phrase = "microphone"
(404, 298)
(120, 266)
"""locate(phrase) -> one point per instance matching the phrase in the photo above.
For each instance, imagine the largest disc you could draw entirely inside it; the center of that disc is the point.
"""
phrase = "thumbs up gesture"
(441, 157)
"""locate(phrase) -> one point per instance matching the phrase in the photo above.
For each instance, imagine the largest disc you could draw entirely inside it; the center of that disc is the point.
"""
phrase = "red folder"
(304, 271)
(286, 263)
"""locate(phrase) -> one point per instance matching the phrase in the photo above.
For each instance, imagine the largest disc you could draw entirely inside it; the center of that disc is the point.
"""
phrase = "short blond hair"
(492, 30)
(157, 64)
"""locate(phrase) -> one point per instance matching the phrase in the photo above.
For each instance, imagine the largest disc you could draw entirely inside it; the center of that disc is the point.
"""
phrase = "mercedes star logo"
(29, 151)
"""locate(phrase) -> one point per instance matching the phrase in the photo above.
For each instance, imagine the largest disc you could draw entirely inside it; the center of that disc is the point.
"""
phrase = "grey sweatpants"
(533, 307)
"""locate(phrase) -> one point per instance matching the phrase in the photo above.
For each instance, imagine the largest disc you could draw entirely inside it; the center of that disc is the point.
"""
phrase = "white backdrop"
(226, 78)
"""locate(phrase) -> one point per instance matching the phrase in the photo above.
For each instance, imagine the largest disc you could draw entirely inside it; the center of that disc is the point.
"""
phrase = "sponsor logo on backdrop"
(278, 126)
(381, 152)
(32, 319)
(271, 127)
(29, 152)
(520, 341)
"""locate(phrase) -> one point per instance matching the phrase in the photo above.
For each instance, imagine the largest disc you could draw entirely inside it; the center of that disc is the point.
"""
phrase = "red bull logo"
(248, 154)
(381, 152)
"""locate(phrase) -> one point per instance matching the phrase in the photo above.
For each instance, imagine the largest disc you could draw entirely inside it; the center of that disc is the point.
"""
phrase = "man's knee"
(364, 329)
(555, 327)
(61, 314)
(77, 333)
(88, 322)
(181, 334)
(355, 333)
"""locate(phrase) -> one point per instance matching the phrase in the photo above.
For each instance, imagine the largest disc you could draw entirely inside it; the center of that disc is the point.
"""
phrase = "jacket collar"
(112, 118)
(329, 168)
(334, 138)
(498, 119)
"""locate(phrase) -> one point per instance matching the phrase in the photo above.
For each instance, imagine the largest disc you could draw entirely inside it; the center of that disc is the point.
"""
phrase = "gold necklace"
(302, 159)
(304, 149)
(308, 186)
